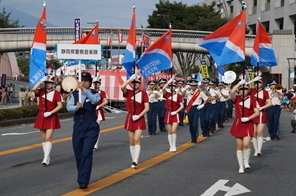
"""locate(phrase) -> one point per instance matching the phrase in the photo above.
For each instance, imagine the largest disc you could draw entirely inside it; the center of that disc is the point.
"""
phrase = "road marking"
(98, 185)
(6, 134)
(54, 141)
(237, 189)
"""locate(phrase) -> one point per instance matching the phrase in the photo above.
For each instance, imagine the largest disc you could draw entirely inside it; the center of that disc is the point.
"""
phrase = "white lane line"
(8, 134)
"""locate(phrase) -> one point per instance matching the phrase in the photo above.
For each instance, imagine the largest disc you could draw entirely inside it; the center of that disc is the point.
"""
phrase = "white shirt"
(201, 97)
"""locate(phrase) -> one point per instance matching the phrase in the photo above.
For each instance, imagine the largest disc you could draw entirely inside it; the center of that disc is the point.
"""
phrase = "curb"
(15, 122)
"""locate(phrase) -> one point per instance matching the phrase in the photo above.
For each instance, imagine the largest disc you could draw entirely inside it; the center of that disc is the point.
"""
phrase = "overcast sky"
(110, 13)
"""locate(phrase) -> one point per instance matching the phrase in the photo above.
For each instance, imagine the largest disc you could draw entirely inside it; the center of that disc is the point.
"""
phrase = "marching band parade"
(158, 104)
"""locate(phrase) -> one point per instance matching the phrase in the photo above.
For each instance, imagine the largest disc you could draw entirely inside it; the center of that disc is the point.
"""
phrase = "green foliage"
(181, 16)
(55, 63)
(27, 111)
(23, 64)
(6, 22)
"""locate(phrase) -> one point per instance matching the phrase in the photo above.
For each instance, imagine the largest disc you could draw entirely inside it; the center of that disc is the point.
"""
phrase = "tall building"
(279, 19)
(274, 14)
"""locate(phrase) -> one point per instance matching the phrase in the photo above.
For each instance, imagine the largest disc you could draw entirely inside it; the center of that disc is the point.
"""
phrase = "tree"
(24, 66)
(6, 22)
(55, 63)
(181, 16)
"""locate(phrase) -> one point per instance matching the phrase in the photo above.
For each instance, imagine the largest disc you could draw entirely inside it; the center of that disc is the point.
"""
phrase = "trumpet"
(278, 88)
(155, 89)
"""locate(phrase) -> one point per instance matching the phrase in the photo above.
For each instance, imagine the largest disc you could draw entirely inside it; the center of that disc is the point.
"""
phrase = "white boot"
(247, 158)
(47, 150)
(260, 144)
(96, 146)
(43, 147)
(132, 151)
(137, 155)
(174, 139)
(255, 144)
(170, 142)
(240, 159)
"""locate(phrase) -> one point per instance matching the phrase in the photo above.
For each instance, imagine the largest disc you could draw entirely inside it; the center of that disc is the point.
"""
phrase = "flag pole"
(79, 80)
(134, 66)
(244, 9)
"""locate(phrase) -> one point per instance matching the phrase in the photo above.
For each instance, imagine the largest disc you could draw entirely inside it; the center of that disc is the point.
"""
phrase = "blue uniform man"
(153, 107)
(85, 129)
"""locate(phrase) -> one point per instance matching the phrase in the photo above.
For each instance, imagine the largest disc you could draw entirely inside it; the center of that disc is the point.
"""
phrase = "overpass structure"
(20, 39)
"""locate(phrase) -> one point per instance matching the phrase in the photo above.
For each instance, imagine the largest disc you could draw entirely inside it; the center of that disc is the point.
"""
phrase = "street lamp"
(166, 17)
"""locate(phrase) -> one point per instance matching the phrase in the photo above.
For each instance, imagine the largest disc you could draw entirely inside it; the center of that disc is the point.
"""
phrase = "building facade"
(279, 19)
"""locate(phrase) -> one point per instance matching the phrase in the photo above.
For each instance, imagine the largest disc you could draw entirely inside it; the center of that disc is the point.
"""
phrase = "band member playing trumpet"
(173, 104)
(223, 97)
(243, 128)
(274, 111)
(196, 100)
(214, 111)
(263, 99)
(50, 102)
(152, 92)
(85, 128)
(99, 109)
(137, 105)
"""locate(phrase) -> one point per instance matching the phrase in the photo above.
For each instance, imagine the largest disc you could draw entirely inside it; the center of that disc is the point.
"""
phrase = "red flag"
(40, 33)
(91, 37)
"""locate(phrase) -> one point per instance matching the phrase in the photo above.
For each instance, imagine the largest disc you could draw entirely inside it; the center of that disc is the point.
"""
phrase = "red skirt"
(134, 125)
(242, 129)
(168, 118)
(101, 115)
(262, 118)
(51, 122)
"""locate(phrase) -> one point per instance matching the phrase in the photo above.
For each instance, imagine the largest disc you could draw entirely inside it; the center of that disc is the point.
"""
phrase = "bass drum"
(69, 84)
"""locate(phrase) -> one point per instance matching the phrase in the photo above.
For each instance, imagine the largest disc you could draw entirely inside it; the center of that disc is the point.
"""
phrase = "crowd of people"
(6, 93)
(166, 104)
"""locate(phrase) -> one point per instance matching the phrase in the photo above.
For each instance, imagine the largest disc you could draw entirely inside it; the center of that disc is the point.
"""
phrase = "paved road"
(193, 170)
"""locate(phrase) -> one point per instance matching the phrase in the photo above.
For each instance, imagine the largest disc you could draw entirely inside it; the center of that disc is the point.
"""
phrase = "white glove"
(98, 107)
(245, 119)
(200, 106)
(243, 81)
(44, 79)
(260, 109)
(171, 80)
(46, 114)
(173, 113)
(134, 76)
(257, 78)
(135, 117)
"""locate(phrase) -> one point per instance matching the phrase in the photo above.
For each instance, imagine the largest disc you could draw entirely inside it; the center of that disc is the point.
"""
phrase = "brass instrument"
(279, 88)
(205, 90)
(155, 89)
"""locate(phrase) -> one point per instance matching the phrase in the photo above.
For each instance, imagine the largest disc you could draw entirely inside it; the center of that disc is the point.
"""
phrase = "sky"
(61, 13)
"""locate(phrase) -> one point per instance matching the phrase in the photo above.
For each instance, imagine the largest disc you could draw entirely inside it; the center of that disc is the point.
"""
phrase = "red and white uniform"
(47, 105)
(135, 108)
(172, 103)
(100, 111)
(261, 98)
(239, 128)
